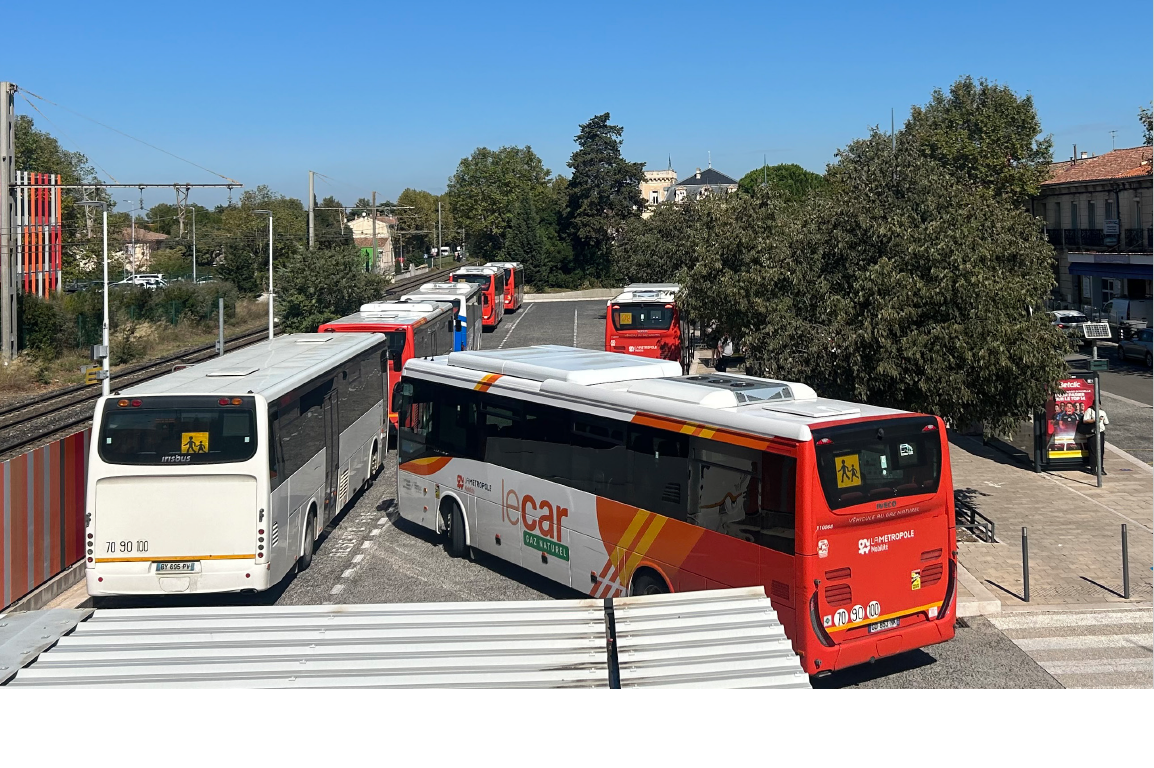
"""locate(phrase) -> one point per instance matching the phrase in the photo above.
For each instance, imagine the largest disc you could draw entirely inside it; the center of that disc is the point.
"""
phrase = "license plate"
(882, 626)
(175, 567)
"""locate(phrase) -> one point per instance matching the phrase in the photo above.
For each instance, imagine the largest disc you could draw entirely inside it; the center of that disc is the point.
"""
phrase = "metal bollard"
(1025, 564)
(1125, 564)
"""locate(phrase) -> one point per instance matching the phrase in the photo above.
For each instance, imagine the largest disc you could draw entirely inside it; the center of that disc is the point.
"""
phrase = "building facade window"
(1086, 294)
(1090, 217)
(653, 197)
(680, 195)
(1110, 289)
(1137, 214)
(1073, 216)
(1110, 210)
(1056, 222)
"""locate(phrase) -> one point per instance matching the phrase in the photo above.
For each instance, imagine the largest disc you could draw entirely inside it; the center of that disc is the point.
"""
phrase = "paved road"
(572, 323)
(1128, 396)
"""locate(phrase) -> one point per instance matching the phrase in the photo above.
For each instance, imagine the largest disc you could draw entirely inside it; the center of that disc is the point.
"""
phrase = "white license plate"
(175, 567)
(882, 626)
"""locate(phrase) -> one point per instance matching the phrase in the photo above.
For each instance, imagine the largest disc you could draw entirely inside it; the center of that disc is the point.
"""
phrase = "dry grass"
(146, 341)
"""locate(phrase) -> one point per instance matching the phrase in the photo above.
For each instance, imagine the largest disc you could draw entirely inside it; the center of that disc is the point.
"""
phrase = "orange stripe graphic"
(426, 466)
(488, 380)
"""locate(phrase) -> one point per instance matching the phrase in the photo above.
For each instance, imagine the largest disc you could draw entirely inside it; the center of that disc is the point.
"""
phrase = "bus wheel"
(374, 465)
(647, 583)
(306, 558)
(455, 531)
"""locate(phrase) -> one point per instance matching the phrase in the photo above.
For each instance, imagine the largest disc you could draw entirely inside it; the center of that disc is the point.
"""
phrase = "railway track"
(24, 424)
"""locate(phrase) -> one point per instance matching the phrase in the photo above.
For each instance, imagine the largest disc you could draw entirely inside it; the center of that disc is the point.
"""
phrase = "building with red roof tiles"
(1098, 217)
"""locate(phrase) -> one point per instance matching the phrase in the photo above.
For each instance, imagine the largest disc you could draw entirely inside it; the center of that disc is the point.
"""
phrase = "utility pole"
(312, 215)
(438, 229)
(373, 258)
(7, 218)
(194, 244)
(133, 258)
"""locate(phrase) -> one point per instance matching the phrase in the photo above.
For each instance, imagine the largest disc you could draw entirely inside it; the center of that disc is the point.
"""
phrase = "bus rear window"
(642, 317)
(179, 434)
(396, 340)
(861, 463)
(481, 280)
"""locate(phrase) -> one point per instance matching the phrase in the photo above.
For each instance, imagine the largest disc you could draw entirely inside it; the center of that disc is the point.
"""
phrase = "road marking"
(513, 327)
(347, 573)
(1126, 400)
(574, 326)
(366, 545)
(375, 532)
(358, 558)
(1084, 641)
(1096, 666)
(337, 589)
(1037, 620)
(383, 521)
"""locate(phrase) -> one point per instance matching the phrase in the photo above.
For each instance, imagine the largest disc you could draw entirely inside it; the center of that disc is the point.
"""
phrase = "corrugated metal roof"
(722, 638)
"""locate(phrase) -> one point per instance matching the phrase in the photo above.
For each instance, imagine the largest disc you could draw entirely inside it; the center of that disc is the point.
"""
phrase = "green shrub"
(42, 326)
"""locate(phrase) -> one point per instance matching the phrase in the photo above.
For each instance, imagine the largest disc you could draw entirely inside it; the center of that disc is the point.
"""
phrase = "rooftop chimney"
(1085, 155)
(698, 173)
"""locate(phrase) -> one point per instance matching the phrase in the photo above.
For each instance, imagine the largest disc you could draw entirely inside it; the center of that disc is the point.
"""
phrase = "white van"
(1127, 315)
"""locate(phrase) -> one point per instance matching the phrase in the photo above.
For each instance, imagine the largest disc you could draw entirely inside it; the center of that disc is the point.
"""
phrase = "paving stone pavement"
(1086, 649)
(1074, 528)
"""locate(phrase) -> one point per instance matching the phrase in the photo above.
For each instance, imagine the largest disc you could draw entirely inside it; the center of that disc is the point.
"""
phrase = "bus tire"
(306, 558)
(455, 531)
(646, 582)
(374, 465)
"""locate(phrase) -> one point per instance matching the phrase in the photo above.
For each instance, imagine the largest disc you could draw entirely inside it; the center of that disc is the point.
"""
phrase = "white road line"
(383, 521)
(1097, 666)
(1038, 620)
(574, 326)
(1140, 642)
(347, 573)
(366, 545)
(513, 327)
(375, 532)
(1126, 400)
(337, 589)
(358, 558)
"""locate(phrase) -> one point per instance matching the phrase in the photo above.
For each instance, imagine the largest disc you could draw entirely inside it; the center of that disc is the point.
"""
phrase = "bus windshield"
(201, 432)
(481, 280)
(642, 317)
(396, 340)
(883, 460)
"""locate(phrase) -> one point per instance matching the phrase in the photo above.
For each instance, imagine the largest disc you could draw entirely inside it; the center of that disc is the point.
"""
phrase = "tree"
(604, 192)
(485, 191)
(523, 242)
(1147, 119)
(331, 231)
(419, 225)
(238, 265)
(987, 134)
(791, 180)
(322, 285)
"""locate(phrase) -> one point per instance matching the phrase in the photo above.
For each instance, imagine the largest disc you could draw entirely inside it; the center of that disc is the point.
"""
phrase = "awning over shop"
(1114, 271)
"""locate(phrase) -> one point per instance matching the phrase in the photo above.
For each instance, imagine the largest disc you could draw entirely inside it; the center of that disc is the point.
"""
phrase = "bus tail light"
(223, 401)
(825, 441)
(135, 403)
(236, 401)
(122, 403)
(930, 428)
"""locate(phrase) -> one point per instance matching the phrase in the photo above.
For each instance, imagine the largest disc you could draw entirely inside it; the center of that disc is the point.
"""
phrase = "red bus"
(514, 283)
(618, 475)
(412, 329)
(492, 283)
(644, 320)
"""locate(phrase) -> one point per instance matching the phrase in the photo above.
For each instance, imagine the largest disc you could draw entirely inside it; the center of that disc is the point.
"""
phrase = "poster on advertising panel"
(1064, 412)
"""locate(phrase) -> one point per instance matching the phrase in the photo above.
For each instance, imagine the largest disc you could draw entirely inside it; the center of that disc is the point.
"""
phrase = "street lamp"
(104, 340)
(269, 214)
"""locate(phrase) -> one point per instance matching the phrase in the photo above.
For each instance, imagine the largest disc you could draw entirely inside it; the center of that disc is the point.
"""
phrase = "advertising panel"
(1064, 412)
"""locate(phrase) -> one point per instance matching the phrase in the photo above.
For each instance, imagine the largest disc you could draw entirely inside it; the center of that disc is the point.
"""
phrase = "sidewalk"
(593, 294)
(1074, 528)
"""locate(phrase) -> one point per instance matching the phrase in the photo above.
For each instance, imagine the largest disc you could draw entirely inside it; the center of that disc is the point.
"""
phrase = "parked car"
(1139, 347)
(145, 281)
(1070, 321)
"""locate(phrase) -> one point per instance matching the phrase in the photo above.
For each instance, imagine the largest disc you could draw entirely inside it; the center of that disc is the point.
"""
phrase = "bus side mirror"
(458, 326)
(395, 356)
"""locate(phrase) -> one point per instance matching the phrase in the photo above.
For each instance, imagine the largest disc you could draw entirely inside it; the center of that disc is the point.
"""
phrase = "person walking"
(1097, 438)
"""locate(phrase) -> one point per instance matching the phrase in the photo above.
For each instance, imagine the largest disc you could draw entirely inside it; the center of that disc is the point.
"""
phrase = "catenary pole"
(194, 244)
(312, 215)
(373, 257)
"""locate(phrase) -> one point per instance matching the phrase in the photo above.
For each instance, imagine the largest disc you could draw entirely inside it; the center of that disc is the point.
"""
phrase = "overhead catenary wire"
(64, 133)
(129, 136)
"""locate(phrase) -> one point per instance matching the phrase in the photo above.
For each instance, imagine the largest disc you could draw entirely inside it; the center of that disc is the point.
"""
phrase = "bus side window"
(274, 463)
(778, 502)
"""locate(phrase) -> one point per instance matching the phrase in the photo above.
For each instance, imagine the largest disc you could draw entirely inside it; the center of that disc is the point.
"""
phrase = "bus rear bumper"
(865, 649)
(211, 576)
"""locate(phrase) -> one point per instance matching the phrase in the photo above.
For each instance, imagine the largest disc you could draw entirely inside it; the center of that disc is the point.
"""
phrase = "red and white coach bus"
(514, 283)
(412, 330)
(492, 283)
(644, 320)
(616, 474)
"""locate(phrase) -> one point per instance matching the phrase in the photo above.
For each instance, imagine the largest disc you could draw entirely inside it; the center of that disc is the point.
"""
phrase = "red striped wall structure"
(42, 507)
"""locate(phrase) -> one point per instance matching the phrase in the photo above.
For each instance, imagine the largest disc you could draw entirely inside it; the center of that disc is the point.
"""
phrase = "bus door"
(724, 498)
(460, 328)
(332, 454)
(473, 320)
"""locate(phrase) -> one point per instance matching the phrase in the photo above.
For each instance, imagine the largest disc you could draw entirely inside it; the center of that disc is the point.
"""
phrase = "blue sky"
(389, 96)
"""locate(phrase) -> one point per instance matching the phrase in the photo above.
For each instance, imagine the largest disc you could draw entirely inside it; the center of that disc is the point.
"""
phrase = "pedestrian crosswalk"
(1087, 649)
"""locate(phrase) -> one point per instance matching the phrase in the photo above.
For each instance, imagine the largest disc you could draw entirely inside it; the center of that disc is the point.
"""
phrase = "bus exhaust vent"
(931, 574)
(837, 574)
(779, 589)
(838, 594)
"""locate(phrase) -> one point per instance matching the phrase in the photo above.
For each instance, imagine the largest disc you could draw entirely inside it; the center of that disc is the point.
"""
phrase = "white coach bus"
(219, 477)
